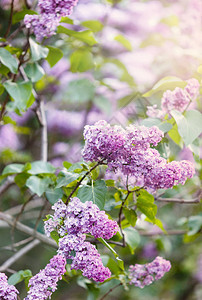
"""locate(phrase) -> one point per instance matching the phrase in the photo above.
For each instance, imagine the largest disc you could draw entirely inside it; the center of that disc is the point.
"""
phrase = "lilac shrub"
(129, 151)
(73, 222)
(7, 292)
(141, 275)
(43, 284)
(50, 13)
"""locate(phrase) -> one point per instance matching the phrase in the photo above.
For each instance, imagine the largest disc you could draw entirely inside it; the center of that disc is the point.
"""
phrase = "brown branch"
(119, 220)
(10, 19)
(111, 290)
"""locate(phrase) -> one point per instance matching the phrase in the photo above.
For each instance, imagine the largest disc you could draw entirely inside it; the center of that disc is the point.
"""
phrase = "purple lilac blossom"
(8, 138)
(128, 151)
(43, 284)
(64, 122)
(7, 292)
(42, 25)
(51, 11)
(141, 275)
(72, 223)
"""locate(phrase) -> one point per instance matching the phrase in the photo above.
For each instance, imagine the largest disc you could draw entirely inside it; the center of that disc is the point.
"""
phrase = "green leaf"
(54, 194)
(123, 41)
(166, 83)
(54, 55)
(19, 16)
(81, 60)
(132, 238)
(103, 103)
(194, 224)
(130, 215)
(145, 203)
(93, 25)
(20, 179)
(66, 179)
(55, 236)
(122, 70)
(37, 51)
(20, 92)
(81, 90)
(41, 167)
(163, 126)
(38, 185)
(13, 169)
(174, 135)
(8, 60)
(34, 71)
(19, 276)
(95, 193)
(84, 36)
(189, 125)
(67, 20)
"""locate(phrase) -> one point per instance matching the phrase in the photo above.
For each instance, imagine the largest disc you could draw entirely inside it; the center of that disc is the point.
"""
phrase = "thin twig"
(6, 184)
(111, 290)
(30, 205)
(10, 19)
(82, 178)
(177, 200)
(44, 133)
(23, 228)
(168, 232)
(119, 220)
(18, 255)
(20, 243)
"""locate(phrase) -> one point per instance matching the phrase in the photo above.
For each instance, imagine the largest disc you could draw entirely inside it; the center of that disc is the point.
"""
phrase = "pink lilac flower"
(128, 151)
(154, 112)
(43, 284)
(180, 98)
(141, 275)
(7, 292)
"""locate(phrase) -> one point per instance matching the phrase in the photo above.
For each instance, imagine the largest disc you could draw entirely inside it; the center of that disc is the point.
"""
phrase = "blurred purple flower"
(8, 138)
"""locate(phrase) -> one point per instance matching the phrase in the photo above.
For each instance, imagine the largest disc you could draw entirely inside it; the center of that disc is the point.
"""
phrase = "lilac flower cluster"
(7, 292)
(128, 151)
(43, 284)
(51, 11)
(141, 275)
(177, 99)
(72, 223)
